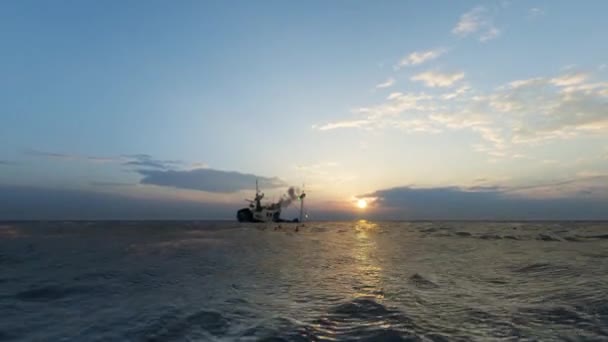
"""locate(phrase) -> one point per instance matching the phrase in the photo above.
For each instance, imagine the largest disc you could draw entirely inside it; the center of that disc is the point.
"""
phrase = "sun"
(362, 204)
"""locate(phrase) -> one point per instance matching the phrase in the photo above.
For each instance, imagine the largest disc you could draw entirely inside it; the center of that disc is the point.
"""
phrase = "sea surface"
(334, 281)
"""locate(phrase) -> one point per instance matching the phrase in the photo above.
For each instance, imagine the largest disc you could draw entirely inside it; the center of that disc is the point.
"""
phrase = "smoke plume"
(289, 197)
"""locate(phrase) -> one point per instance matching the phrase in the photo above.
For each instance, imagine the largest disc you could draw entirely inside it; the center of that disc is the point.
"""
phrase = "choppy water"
(386, 281)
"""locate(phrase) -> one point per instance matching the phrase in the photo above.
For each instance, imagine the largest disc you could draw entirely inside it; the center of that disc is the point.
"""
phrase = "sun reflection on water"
(369, 282)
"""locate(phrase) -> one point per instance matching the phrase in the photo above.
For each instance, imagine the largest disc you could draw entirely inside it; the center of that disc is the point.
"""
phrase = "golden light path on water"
(368, 268)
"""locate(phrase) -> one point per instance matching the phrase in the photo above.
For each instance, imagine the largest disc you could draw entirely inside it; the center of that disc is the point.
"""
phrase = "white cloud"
(393, 96)
(591, 174)
(382, 115)
(398, 103)
(388, 83)
(481, 124)
(199, 165)
(460, 120)
(553, 108)
(476, 20)
(569, 79)
(457, 93)
(523, 83)
(437, 79)
(535, 12)
(517, 114)
(73, 157)
(469, 22)
(490, 34)
(416, 125)
(419, 57)
(343, 124)
(585, 184)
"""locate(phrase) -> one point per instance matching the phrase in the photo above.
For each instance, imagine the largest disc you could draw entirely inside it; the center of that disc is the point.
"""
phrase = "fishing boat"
(259, 212)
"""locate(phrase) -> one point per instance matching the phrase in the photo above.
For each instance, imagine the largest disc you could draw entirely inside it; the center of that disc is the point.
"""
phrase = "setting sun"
(362, 204)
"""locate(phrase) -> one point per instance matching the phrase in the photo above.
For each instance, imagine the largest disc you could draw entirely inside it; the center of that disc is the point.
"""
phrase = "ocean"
(327, 281)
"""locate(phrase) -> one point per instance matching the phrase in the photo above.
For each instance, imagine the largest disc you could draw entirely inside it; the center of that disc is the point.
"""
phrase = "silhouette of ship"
(259, 212)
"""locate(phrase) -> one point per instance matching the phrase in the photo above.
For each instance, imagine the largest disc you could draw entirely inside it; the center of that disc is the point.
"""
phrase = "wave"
(171, 326)
(421, 282)
(545, 270)
(553, 314)
(159, 282)
(50, 293)
(543, 237)
(598, 237)
(362, 319)
(547, 237)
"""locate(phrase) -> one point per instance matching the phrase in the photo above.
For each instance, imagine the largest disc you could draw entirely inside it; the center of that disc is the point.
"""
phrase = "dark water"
(385, 281)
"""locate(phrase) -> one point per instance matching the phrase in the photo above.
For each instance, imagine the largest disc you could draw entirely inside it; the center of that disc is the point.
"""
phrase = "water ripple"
(335, 281)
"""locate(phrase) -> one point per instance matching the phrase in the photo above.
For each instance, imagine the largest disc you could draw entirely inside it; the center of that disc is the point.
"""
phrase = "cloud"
(437, 79)
(399, 103)
(457, 93)
(476, 20)
(553, 108)
(419, 57)
(343, 124)
(460, 121)
(569, 79)
(416, 125)
(519, 113)
(199, 165)
(535, 12)
(469, 22)
(592, 174)
(209, 180)
(66, 156)
(488, 202)
(110, 184)
(490, 34)
(376, 116)
(64, 204)
(137, 160)
(145, 160)
(37, 153)
(388, 83)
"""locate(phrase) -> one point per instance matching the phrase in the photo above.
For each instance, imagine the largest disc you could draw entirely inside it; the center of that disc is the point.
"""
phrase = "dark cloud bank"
(25, 203)
(409, 203)
(28, 203)
(481, 203)
(163, 173)
(146, 161)
(209, 180)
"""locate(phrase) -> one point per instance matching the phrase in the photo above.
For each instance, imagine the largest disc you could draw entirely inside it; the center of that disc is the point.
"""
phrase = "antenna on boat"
(301, 197)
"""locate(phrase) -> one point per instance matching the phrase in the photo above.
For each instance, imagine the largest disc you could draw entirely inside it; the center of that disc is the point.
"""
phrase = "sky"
(423, 109)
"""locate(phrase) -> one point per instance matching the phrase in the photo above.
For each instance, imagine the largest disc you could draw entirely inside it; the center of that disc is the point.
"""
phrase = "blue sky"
(506, 99)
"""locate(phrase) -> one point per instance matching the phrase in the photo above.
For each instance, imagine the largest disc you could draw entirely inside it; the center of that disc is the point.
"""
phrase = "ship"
(259, 212)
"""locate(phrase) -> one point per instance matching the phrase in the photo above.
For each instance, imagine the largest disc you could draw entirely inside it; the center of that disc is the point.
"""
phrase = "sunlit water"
(179, 281)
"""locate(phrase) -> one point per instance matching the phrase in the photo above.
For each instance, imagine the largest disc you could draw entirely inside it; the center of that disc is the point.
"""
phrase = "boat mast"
(302, 205)
(258, 197)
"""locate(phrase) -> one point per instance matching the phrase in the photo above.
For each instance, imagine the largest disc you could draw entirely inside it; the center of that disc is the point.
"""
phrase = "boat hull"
(247, 215)
(244, 215)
